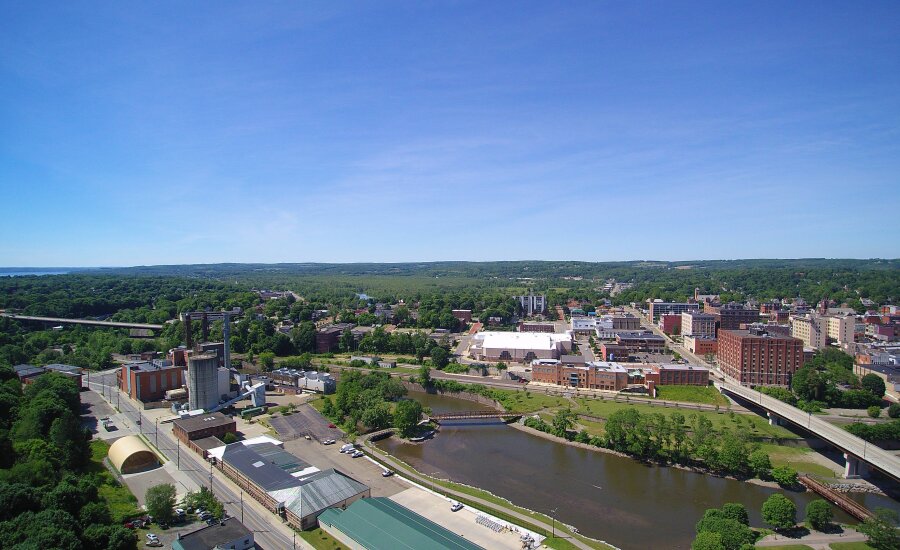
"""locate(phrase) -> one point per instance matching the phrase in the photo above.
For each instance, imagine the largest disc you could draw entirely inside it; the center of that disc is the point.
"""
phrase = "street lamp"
(553, 517)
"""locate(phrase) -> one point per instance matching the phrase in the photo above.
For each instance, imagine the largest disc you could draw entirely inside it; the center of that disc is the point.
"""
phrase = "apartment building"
(698, 325)
(811, 330)
(758, 357)
(531, 304)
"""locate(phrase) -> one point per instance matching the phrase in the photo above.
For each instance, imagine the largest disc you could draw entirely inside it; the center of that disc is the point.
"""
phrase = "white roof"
(523, 340)
(219, 451)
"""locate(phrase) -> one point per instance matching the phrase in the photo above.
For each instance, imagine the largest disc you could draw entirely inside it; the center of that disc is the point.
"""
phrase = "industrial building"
(149, 380)
(228, 534)
(203, 425)
(130, 454)
(522, 347)
(264, 473)
(319, 382)
(381, 524)
(203, 380)
(758, 357)
(28, 373)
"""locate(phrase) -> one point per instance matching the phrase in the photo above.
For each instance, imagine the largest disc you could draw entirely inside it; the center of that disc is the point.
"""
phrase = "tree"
(737, 512)
(779, 512)
(229, 438)
(873, 384)
(267, 360)
(205, 499)
(881, 530)
(346, 342)
(784, 476)
(894, 410)
(874, 411)
(733, 533)
(760, 464)
(819, 514)
(425, 375)
(439, 357)
(707, 540)
(160, 501)
(406, 416)
(562, 421)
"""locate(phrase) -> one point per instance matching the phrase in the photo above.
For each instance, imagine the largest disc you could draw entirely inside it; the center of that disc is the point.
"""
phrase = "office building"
(641, 342)
(698, 325)
(732, 316)
(811, 329)
(328, 338)
(658, 308)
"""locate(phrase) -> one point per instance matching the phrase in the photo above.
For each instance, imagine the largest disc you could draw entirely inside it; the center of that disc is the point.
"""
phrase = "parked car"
(348, 448)
(455, 506)
(205, 515)
(156, 543)
(152, 536)
(331, 425)
(329, 442)
(358, 454)
(387, 473)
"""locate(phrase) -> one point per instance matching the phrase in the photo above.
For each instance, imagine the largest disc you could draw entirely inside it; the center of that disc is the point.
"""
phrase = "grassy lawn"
(796, 458)
(692, 394)
(791, 547)
(122, 504)
(320, 540)
(759, 426)
(850, 546)
(593, 428)
(525, 401)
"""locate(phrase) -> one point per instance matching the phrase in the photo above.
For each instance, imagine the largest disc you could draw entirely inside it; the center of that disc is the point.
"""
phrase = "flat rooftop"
(211, 536)
(203, 421)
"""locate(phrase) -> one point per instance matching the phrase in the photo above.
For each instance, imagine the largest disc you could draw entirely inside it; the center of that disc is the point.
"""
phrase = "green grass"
(791, 547)
(320, 540)
(122, 504)
(559, 543)
(525, 402)
(850, 546)
(795, 457)
(692, 394)
(758, 425)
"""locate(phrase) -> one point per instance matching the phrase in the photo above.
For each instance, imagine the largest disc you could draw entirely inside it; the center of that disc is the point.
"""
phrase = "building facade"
(759, 358)
(670, 323)
(698, 325)
(731, 316)
(811, 330)
(596, 375)
(663, 308)
(641, 342)
(203, 425)
(149, 381)
(677, 375)
(701, 346)
(532, 305)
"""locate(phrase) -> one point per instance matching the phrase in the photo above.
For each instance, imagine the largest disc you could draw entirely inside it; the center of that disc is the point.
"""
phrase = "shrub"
(874, 411)
(784, 476)
(894, 410)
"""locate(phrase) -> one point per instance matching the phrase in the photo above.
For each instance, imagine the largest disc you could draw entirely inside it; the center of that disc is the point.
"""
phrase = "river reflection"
(624, 502)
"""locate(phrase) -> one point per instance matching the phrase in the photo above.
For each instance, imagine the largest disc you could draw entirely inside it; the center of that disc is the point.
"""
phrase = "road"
(60, 320)
(268, 530)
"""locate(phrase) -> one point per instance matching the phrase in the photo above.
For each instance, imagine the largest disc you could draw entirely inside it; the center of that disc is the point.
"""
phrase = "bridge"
(843, 502)
(474, 415)
(855, 450)
(62, 321)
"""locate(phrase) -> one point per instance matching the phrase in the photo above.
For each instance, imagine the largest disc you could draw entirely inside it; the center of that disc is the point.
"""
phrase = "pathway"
(815, 539)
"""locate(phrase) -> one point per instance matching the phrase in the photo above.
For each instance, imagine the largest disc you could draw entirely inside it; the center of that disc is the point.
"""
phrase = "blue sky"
(173, 132)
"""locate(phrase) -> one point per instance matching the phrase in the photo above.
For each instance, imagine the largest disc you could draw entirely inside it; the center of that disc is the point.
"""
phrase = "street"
(268, 530)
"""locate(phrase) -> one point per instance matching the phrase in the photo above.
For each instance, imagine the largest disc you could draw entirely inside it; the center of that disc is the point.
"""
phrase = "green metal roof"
(381, 524)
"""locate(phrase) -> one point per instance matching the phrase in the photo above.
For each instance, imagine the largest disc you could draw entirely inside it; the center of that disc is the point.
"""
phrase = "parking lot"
(304, 421)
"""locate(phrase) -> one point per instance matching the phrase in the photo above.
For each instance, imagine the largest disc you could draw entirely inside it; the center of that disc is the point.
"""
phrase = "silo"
(203, 380)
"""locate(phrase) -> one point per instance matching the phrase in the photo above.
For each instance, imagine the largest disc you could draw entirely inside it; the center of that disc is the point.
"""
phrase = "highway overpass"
(61, 321)
(855, 449)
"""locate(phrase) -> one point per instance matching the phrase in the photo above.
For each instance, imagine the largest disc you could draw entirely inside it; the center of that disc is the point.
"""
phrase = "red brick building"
(731, 316)
(150, 381)
(613, 352)
(536, 327)
(595, 376)
(758, 357)
(463, 315)
(203, 425)
(670, 323)
(677, 375)
(327, 339)
(701, 346)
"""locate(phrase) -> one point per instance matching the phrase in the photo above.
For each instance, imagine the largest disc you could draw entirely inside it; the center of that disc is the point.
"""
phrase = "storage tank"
(203, 380)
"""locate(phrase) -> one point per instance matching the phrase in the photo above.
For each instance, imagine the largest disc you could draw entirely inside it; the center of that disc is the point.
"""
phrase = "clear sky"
(191, 132)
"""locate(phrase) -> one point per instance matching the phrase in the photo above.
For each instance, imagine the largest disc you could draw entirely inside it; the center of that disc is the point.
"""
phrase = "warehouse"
(521, 347)
(382, 524)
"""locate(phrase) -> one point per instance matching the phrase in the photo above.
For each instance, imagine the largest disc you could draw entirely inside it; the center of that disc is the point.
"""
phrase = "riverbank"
(493, 504)
(589, 447)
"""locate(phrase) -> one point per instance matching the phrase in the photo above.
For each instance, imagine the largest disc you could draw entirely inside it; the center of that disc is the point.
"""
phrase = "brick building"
(670, 323)
(594, 375)
(28, 373)
(701, 346)
(613, 352)
(462, 315)
(203, 425)
(536, 327)
(731, 316)
(327, 338)
(677, 375)
(663, 308)
(149, 381)
(758, 357)
(641, 342)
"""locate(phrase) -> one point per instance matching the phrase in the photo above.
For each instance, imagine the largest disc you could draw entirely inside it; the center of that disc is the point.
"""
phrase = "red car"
(332, 426)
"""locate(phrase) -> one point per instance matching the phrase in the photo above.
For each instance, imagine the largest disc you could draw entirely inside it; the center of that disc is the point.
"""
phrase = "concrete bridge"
(855, 450)
(62, 321)
(474, 415)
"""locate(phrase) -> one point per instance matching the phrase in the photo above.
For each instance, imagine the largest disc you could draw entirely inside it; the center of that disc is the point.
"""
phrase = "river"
(616, 499)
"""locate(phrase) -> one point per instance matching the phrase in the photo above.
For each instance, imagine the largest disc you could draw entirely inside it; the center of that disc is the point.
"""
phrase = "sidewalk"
(815, 539)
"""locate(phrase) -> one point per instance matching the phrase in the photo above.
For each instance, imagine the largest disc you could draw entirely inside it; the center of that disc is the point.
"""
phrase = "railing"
(843, 502)
(473, 414)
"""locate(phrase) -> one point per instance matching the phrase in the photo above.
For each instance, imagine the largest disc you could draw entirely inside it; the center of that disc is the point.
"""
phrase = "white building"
(817, 331)
(698, 325)
(532, 304)
(521, 347)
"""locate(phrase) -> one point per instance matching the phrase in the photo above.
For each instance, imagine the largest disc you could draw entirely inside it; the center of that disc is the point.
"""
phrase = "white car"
(329, 442)
(455, 506)
(151, 537)
(358, 454)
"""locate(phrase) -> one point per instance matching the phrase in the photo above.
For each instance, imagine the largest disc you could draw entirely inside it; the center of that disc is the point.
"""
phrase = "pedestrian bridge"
(474, 415)
(93, 322)
(855, 450)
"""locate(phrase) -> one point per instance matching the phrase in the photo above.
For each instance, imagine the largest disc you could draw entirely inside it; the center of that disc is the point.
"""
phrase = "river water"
(616, 499)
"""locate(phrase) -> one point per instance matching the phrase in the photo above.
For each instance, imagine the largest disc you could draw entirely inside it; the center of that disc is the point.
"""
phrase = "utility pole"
(178, 451)
(210, 478)
(553, 516)
(156, 433)
(242, 506)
